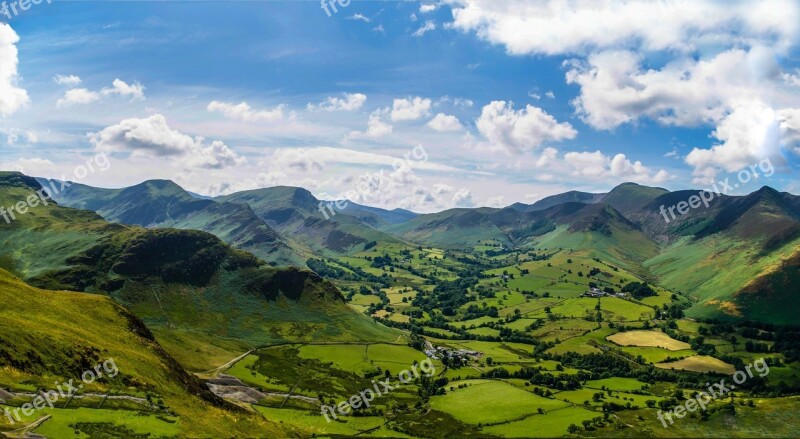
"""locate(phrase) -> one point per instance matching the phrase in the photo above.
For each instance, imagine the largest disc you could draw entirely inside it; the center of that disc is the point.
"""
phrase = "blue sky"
(510, 101)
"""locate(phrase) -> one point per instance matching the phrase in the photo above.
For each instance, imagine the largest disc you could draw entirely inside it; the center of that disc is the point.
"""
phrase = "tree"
(572, 429)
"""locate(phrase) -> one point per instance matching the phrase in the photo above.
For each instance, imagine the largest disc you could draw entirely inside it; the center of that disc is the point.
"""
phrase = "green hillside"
(162, 203)
(195, 292)
(50, 336)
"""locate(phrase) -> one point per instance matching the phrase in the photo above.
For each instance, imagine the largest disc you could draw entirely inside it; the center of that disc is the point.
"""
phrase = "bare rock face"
(231, 388)
(5, 396)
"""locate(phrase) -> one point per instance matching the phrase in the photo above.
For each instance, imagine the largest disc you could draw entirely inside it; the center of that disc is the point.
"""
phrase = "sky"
(454, 103)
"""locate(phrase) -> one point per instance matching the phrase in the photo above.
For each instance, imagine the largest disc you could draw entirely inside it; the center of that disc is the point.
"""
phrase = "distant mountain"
(295, 212)
(377, 217)
(193, 291)
(162, 203)
(567, 197)
(710, 253)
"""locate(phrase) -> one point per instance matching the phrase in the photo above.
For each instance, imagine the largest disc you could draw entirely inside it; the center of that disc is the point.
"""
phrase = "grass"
(491, 402)
(648, 338)
(58, 339)
(551, 424)
(699, 363)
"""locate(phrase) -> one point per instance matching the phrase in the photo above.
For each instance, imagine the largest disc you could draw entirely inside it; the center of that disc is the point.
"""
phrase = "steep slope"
(295, 212)
(777, 285)
(162, 203)
(195, 292)
(48, 336)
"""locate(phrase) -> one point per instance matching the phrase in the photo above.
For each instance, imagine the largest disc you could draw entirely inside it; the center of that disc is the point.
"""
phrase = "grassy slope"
(52, 336)
(197, 294)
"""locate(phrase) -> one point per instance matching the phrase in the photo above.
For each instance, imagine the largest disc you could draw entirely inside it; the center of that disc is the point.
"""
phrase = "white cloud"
(550, 95)
(444, 122)
(84, 96)
(350, 102)
(410, 109)
(69, 80)
(596, 165)
(81, 96)
(215, 156)
(376, 128)
(244, 112)
(360, 17)
(429, 25)
(152, 136)
(119, 87)
(12, 98)
(379, 29)
(749, 134)
(426, 8)
(617, 89)
(549, 155)
(523, 129)
(463, 198)
(679, 63)
(556, 27)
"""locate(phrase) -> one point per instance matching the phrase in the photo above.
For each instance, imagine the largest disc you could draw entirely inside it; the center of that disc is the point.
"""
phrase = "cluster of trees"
(639, 290)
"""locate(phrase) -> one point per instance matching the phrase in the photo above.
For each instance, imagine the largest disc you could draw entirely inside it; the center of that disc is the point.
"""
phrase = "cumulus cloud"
(12, 98)
(463, 198)
(83, 96)
(749, 134)
(596, 165)
(426, 8)
(152, 136)
(376, 128)
(350, 102)
(519, 130)
(410, 109)
(555, 27)
(429, 25)
(119, 87)
(80, 96)
(678, 63)
(69, 80)
(444, 122)
(617, 89)
(360, 17)
(244, 112)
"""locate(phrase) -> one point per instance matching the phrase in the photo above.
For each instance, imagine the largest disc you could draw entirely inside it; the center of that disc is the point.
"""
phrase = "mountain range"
(713, 254)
